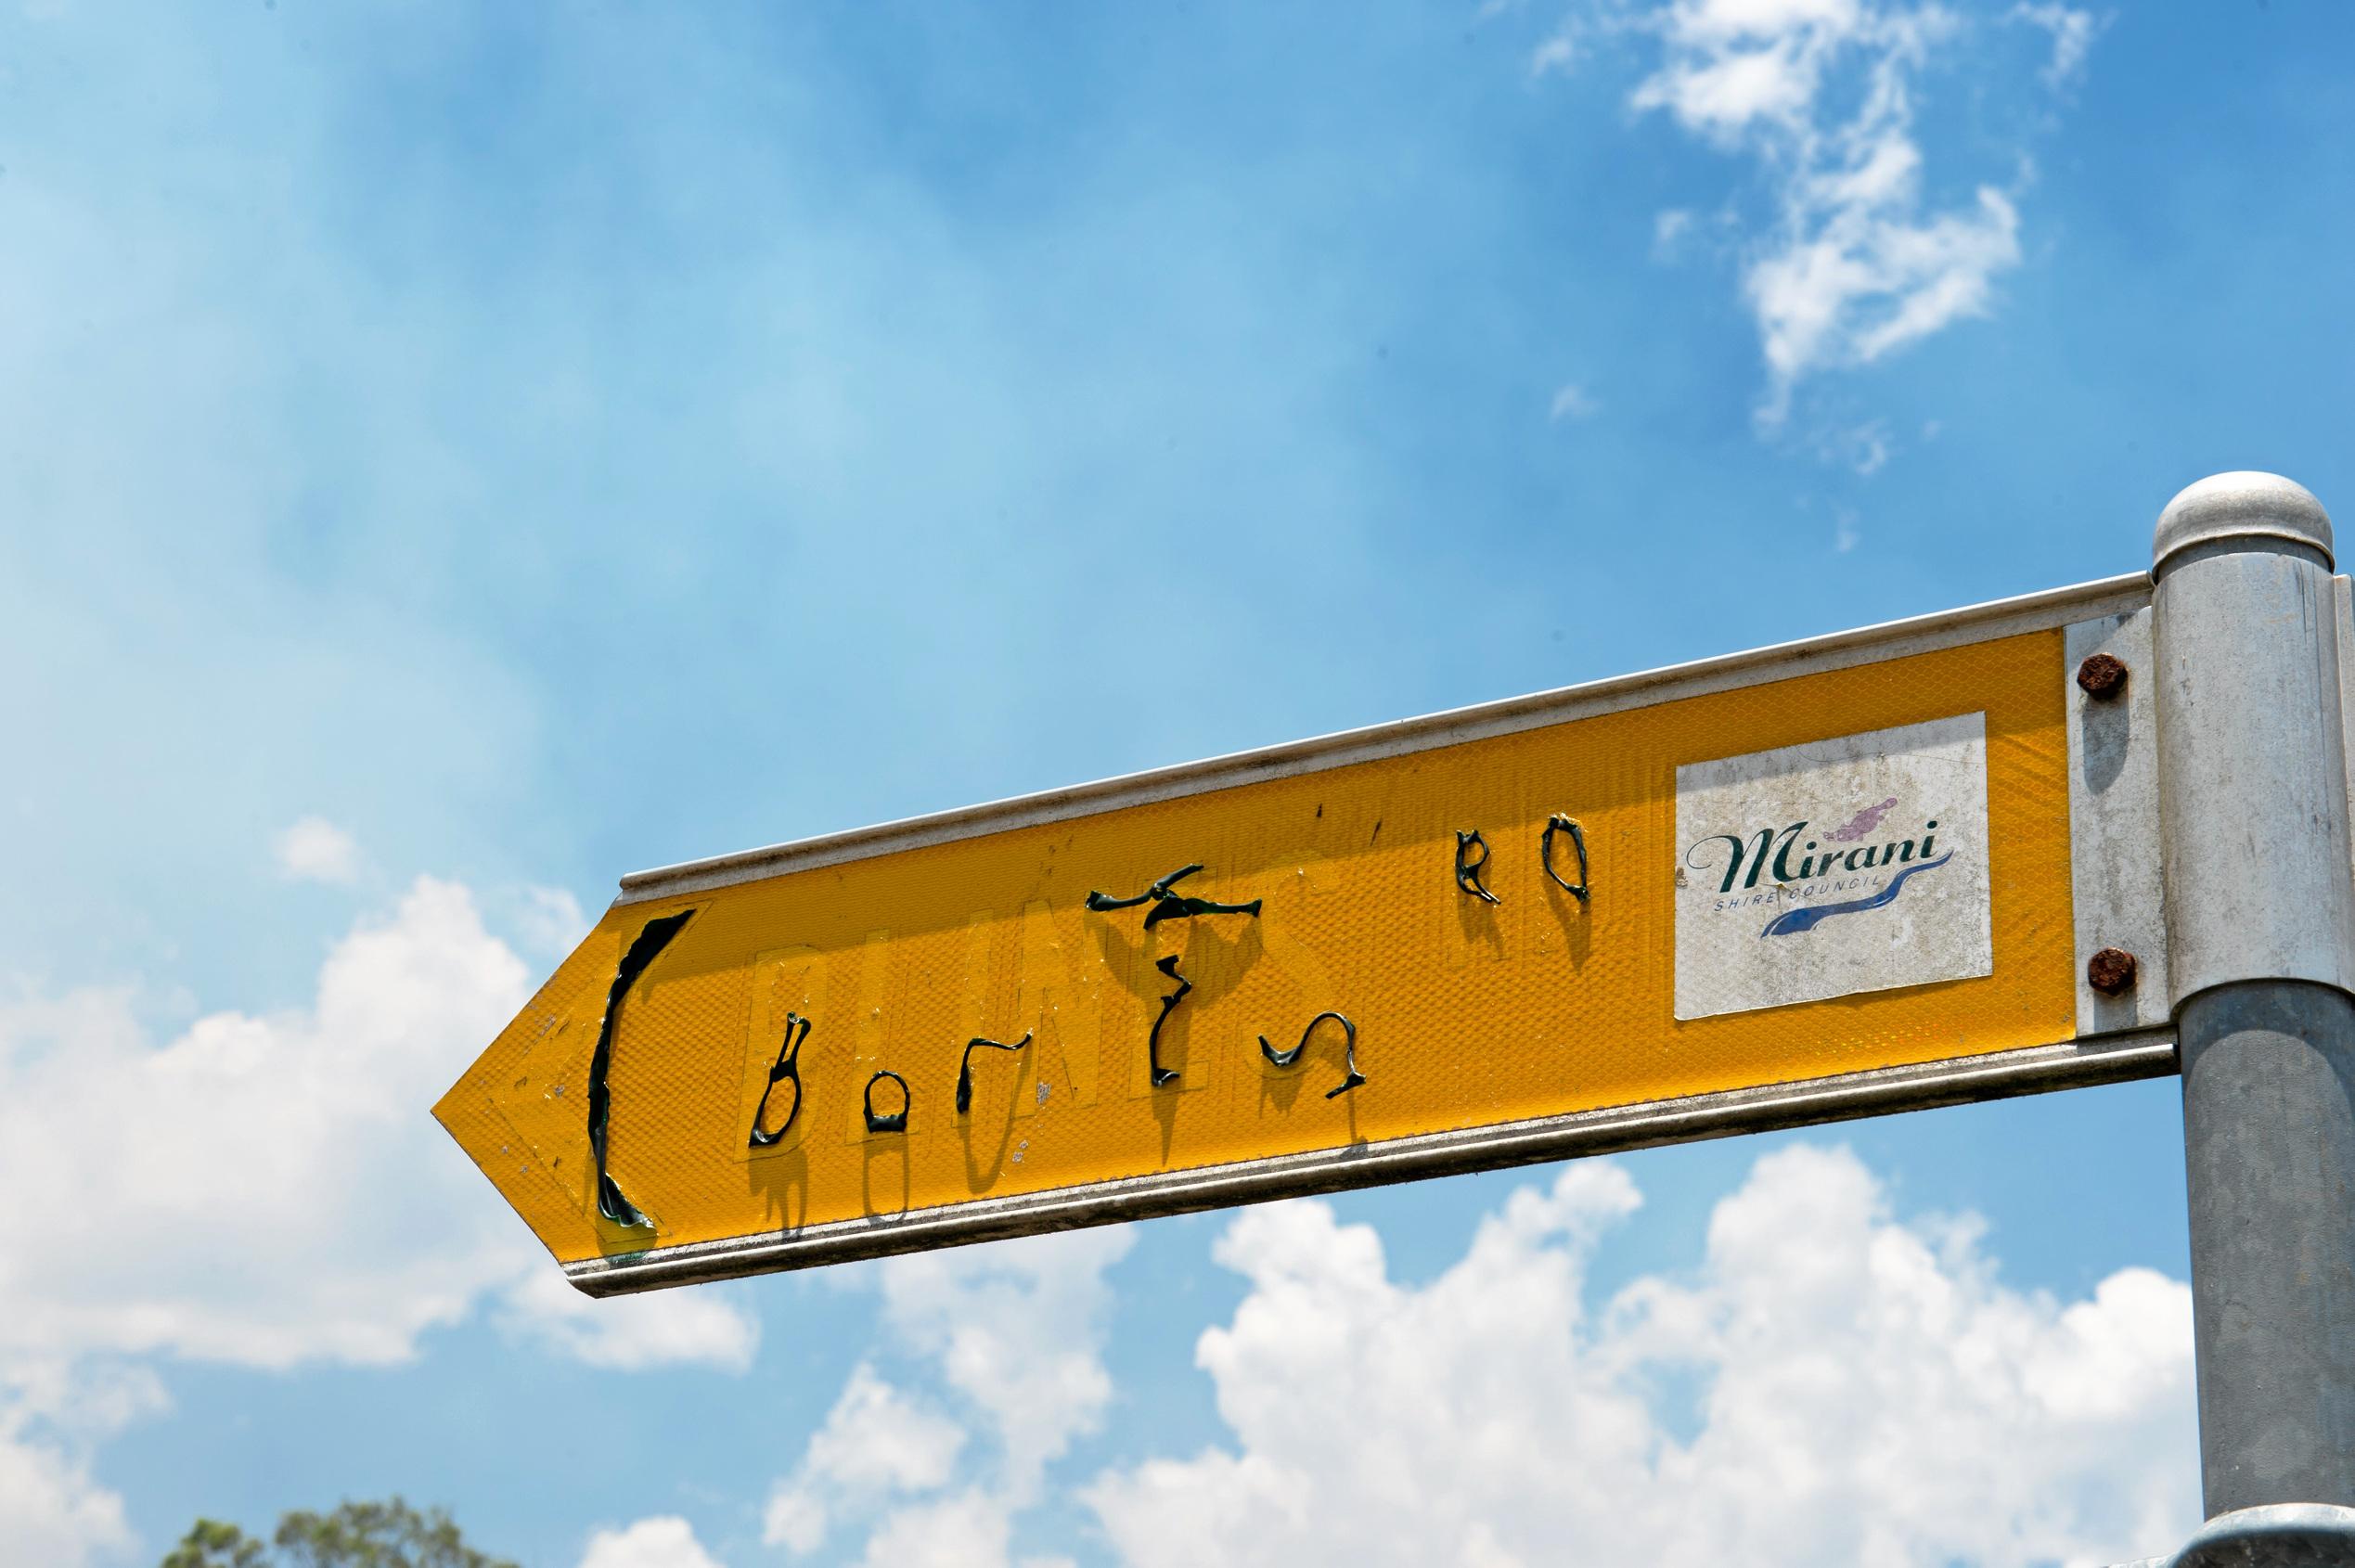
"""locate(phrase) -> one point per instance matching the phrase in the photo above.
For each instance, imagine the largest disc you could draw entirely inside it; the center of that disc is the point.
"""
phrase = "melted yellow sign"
(1462, 1012)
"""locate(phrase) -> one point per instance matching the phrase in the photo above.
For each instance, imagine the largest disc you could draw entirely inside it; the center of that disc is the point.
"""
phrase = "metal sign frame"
(2118, 1041)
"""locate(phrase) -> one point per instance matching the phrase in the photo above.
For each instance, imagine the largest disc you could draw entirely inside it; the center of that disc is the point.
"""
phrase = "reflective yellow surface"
(1467, 1014)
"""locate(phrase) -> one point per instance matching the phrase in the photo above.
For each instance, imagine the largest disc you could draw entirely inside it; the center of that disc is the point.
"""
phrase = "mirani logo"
(1833, 874)
(1770, 845)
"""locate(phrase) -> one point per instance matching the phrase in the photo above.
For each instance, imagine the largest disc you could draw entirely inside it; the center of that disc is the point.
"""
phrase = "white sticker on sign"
(1842, 865)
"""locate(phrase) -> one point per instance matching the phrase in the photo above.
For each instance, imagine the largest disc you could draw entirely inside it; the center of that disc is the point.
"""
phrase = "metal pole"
(2253, 801)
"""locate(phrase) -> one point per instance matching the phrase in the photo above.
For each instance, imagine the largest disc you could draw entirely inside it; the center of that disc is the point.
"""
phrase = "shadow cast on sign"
(1212, 959)
(2107, 734)
(1569, 884)
(1476, 922)
(1279, 1089)
(886, 1142)
(889, 1154)
(780, 1181)
(1578, 928)
(1206, 968)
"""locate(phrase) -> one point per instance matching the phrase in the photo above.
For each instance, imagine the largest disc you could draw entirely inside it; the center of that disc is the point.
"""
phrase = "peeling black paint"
(787, 1068)
(1468, 869)
(1351, 1077)
(652, 939)
(1163, 1076)
(891, 1121)
(1558, 823)
(1168, 905)
(965, 1066)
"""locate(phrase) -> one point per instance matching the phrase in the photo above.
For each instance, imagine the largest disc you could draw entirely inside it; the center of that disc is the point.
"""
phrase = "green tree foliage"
(211, 1544)
(389, 1534)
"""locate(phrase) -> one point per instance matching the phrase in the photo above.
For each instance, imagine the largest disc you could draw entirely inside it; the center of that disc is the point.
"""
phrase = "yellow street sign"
(1825, 879)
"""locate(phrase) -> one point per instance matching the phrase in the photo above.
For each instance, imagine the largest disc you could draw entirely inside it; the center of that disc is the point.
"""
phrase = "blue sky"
(450, 457)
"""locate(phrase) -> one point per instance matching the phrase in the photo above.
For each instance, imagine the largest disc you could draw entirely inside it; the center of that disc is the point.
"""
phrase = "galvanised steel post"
(2253, 802)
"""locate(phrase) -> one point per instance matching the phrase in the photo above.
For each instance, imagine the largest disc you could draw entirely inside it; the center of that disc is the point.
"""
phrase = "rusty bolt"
(2111, 971)
(2102, 676)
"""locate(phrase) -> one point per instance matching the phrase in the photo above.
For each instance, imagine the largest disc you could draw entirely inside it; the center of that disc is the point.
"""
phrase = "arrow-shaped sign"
(1822, 881)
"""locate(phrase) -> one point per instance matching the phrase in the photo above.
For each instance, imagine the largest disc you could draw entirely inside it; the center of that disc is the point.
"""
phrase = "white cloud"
(968, 1530)
(796, 1517)
(1017, 1328)
(876, 1438)
(708, 1325)
(1864, 449)
(268, 1190)
(81, 1401)
(52, 1413)
(1828, 1386)
(264, 1189)
(665, 1541)
(1015, 1331)
(876, 1443)
(1558, 52)
(550, 922)
(1855, 263)
(1668, 229)
(2073, 33)
(292, 1143)
(1573, 402)
(51, 1511)
(1853, 281)
(315, 850)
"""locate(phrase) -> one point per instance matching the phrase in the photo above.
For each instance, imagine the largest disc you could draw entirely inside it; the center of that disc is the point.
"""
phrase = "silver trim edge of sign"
(2048, 610)
(1996, 1075)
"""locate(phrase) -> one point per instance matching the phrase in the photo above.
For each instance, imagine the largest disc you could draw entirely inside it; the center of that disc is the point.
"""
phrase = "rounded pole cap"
(2286, 1533)
(2266, 510)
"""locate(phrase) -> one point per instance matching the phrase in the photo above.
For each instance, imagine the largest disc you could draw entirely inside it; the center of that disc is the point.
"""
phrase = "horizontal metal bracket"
(2117, 888)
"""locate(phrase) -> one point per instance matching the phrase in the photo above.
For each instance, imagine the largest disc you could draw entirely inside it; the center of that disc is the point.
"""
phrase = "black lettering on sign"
(1558, 823)
(890, 1121)
(1163, 1076)
(1168, 905)
(1468, 869)
(650, 941)
(1351, 1077)
(965, 1067)
(786, 1069)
